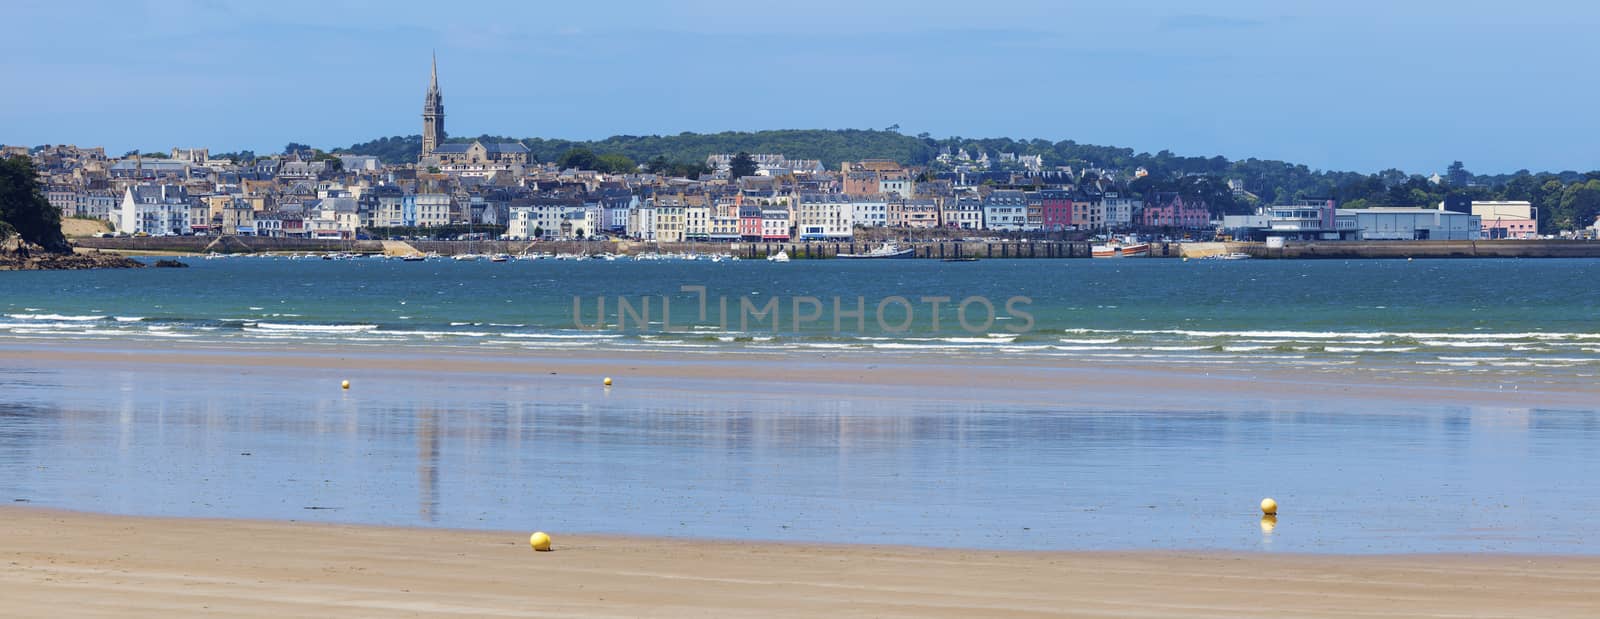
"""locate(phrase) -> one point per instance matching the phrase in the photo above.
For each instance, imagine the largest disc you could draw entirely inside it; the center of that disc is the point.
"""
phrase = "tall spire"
(432, 112)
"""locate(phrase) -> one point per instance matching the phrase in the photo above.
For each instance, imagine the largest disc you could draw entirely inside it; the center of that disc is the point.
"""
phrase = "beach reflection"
(683, 458)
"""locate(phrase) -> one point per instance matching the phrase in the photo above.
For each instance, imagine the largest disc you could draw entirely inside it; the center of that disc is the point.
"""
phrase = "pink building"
(1056, 207)
(1169, 210)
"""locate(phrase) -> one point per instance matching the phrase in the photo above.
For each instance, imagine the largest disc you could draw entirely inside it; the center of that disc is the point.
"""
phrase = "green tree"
(614, 163)
(1580, 204)
(24, 207)
(538, 232)
(742, 165)
(579, 158)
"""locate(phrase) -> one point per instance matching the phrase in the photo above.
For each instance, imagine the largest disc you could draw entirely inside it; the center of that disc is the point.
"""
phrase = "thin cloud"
(1197, 21)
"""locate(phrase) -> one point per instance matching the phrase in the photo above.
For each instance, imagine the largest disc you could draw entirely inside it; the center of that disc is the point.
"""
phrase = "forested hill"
(1567, 198)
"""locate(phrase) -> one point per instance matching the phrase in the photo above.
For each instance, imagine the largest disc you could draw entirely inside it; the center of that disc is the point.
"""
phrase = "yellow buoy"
(344, 385)
(608, 381)
(1269, 507)
(540, 541)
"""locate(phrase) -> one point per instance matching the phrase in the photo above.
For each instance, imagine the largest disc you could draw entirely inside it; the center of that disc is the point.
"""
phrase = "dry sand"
(77, 565)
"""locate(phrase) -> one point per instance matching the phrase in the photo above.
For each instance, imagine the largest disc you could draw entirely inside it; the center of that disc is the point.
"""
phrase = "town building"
(1170, 210)
(824, 217)
(1507, 220)
(155, 210)
(1005, 210)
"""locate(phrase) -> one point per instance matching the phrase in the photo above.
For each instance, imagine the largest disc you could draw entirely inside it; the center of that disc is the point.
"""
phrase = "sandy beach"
(70, 564)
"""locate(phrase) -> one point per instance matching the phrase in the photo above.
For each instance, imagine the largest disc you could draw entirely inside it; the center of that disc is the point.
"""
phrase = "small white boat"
(781, 256)
(465, 257)
(414, 258)
(500, 258)
(1238, 255)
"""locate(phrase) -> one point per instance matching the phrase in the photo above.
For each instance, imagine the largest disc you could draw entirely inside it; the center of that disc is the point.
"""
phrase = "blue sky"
(1358, 84)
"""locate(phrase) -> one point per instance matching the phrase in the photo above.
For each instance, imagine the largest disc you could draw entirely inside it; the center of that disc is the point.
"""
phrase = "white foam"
(313, 328)
(60, 317)
(559, 336)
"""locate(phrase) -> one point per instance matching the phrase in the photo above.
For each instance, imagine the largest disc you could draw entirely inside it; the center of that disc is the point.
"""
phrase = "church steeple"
(432, 113)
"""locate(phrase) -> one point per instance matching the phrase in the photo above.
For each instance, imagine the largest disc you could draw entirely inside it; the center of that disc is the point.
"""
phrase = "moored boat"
(1120, 250)
(781, 256)
(886, 250)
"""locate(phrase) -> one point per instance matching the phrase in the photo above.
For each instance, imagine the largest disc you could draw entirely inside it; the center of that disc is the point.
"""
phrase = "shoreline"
(93, 565)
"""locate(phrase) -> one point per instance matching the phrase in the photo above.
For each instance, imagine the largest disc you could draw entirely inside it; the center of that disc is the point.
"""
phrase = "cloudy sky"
(1357, 84)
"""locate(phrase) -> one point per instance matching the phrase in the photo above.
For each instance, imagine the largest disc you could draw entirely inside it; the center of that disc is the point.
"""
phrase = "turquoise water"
(843, 464)
(1488, 316)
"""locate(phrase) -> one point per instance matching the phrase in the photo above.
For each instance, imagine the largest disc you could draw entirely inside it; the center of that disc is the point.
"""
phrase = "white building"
(697, 223)
(825, 216)
(433, 209)
(869, 211)
(642, 222)
(333, 218)
(1120, 210)
(1005, 210)
(156, 210)
(898, 184)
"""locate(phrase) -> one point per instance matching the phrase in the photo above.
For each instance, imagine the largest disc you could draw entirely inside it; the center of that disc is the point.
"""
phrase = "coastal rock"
(171, 264)
(16, 257)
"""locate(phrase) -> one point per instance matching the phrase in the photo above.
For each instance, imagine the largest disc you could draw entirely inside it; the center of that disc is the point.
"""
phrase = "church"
(476, 158)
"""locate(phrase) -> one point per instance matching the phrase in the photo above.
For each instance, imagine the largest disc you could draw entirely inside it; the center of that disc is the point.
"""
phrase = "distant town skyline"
(1357, 86)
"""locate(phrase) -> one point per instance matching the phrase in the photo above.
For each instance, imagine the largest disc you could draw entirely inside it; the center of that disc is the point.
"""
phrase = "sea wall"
(1423, 249)
(927, 250)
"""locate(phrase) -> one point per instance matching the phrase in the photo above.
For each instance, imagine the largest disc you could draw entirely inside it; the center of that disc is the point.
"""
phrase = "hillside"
(1565, 199)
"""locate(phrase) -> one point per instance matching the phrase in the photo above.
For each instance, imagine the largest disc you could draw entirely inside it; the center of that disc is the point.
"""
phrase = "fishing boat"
(886, 250)
(1120, 249)
(781, 256)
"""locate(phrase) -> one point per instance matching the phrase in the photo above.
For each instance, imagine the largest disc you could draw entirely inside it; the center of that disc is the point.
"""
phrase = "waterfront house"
(1170, 210)
(824, 217)
(1088, 211)
(1055, 210)
(156, 210)
(432, 209)
(697, 222)
(1005, 210)
(1120, 209)
(775, 223)
(750, 223)
(870, 211)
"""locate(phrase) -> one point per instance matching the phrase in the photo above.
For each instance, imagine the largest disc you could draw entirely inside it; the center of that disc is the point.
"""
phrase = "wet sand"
(872, 375)
(69, 564)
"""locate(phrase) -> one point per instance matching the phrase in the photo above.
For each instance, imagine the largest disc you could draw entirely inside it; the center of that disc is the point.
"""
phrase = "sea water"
(702, 459)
